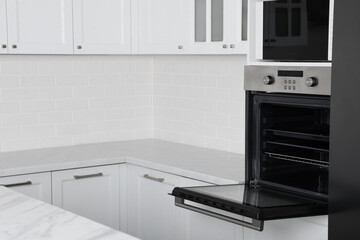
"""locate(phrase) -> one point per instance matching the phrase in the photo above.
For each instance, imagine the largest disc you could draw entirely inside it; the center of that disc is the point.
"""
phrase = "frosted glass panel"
(200, 20)
(217, 20)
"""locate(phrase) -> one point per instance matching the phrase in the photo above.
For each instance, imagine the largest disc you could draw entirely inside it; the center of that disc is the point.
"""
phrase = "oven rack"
(298, 159)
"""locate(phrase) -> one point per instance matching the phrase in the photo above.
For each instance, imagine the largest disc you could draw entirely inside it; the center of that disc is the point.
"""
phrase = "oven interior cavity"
(294, 146)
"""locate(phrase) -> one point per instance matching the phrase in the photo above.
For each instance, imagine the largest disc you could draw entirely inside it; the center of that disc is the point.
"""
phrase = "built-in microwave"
(297, 30)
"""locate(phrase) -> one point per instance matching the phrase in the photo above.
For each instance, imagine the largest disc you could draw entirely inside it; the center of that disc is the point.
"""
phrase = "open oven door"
(251, 201)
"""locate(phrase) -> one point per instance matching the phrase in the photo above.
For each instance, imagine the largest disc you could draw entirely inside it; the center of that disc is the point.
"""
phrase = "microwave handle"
(255, 224)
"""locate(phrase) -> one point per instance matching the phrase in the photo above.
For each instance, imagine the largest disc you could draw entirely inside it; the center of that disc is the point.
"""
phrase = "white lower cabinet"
(92, 192)
(152, 215)
(310, 228)
(37, 185)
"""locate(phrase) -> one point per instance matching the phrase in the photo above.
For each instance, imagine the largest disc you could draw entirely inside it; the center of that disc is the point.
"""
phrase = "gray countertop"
(22, 217)
(193, 162)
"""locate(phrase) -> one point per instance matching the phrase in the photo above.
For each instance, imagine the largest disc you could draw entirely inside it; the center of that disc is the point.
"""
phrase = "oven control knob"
(268, 80)
(312, 81)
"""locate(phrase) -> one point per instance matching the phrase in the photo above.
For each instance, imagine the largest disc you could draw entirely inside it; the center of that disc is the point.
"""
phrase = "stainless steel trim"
(255, 224)
(100, 174)
(147, 176)
(16, 184)
(254, 76)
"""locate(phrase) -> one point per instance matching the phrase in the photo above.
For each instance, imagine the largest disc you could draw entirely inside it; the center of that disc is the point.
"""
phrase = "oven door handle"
(255, 224)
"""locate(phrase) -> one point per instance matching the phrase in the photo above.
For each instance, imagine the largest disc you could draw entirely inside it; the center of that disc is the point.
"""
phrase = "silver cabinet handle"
(79, 47)
(17, 184)
(225, 46)
(88, 175)
(232, 45)
(3, 46)
(180, 47)
(255, 224)
(147, 176)
(14, 46)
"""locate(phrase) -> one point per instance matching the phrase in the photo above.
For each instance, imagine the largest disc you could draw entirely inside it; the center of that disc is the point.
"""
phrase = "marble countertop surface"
(26, 218)
(202, 164)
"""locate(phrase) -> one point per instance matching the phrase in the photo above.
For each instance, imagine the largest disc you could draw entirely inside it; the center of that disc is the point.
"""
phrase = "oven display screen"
(282, 73)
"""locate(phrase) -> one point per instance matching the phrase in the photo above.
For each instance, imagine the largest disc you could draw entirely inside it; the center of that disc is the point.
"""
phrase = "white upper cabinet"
(39, 26)
(36, 185)
(219, 27)
(3, 27)
(163, 26)
(102, 26)
(90, 192)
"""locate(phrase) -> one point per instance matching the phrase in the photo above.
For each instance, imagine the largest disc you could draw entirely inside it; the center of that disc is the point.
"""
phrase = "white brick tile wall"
(49, 101)
(199, 100)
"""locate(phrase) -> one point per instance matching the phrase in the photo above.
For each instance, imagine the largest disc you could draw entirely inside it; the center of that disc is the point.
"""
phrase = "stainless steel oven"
(287, 150)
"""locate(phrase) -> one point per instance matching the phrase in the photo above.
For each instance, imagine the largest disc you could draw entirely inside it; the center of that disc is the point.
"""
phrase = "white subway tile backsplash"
(105, 126)
(88, 116)
(9, 81)
(37, 106)
(37, 131)
(72, 129)
(37, 81)
(13, 94)
(55, 93)
(72, 80)
(204, 108)
(55, 118)
(48, 101)
(9, 133)
(19, 68)
(23, 119)
(88, 92)
(72, 105)
(9, 107)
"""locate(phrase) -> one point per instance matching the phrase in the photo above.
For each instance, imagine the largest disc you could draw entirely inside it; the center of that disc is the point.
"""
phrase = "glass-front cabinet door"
(219, 26)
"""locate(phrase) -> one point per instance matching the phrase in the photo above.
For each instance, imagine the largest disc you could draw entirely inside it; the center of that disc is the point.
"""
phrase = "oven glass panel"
(296, 30)
(256, 197)
(295, 146)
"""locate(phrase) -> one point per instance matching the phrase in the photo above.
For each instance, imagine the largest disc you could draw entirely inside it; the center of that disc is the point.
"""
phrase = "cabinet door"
(237, 24)
(311, 228)
(40, 26)
(199, 226)
(102, 27)
(152, 214)
(90, 192)
(3, 27)
(36, 185)
(217, 27)
(164, 26)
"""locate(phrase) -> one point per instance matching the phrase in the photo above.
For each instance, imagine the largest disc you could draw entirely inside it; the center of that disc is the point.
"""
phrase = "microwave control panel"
(302, 80)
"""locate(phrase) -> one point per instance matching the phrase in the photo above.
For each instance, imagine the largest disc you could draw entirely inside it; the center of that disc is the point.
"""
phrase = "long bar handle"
(147, 176)
(88, 175)
(255, 224)
(17, 184)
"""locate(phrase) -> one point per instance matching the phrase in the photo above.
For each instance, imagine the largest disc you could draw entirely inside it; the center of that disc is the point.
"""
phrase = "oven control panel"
(302, 80)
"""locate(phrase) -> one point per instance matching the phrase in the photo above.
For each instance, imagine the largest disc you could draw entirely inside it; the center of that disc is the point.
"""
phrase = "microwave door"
(257, 203)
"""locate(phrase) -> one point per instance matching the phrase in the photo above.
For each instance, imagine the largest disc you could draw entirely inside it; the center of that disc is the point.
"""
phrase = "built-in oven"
(287, 150)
